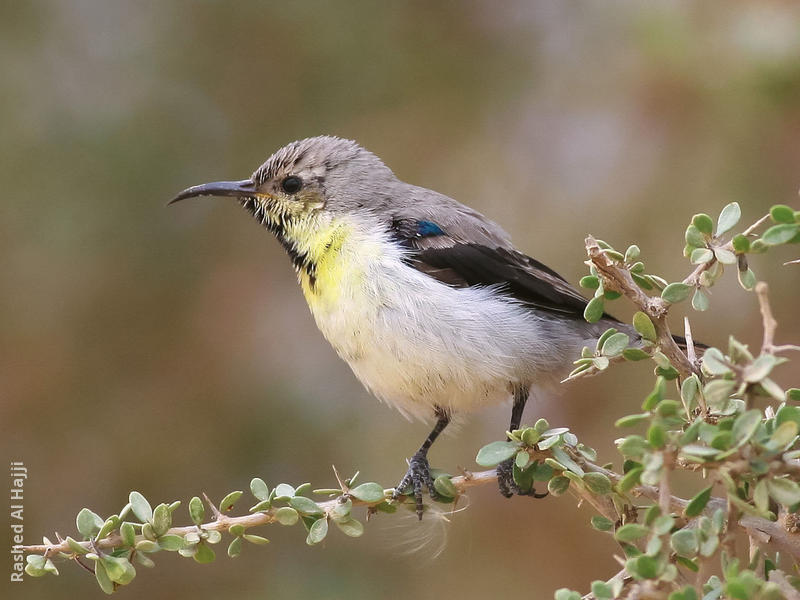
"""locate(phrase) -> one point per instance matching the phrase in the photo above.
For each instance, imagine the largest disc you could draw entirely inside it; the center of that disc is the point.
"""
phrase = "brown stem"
(618, 278)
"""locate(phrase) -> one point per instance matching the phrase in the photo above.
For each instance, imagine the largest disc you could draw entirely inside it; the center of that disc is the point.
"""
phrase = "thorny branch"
(770, 325)
(619, 279)
(790, 542)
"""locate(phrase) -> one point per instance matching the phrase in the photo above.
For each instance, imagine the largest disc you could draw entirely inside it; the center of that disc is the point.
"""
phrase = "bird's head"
(320, 176)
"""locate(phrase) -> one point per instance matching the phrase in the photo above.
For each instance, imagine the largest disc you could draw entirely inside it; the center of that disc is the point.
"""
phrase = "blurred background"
(169, 350)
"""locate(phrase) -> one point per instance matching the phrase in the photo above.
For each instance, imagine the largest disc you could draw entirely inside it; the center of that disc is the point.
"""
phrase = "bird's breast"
(413, 341)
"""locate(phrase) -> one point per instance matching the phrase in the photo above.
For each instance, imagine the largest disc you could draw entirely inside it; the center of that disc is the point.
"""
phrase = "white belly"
(417, 343)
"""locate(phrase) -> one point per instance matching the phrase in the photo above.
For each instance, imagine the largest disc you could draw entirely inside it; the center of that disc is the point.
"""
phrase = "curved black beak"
(242, 188)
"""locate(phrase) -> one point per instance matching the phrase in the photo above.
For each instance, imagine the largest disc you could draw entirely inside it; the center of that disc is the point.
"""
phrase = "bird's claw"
(417, 476)
(508, 487)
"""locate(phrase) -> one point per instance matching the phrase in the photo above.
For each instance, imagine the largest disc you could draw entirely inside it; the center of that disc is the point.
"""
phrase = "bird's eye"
(292, 184)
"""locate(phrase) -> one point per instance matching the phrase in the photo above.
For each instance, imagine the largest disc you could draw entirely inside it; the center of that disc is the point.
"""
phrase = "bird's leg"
(505, 470)
(419, 471)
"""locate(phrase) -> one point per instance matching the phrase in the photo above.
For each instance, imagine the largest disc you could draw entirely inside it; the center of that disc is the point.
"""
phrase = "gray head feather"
(350, 179)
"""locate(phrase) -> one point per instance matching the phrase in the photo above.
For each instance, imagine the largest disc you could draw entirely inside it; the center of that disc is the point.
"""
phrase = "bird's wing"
(465, 263)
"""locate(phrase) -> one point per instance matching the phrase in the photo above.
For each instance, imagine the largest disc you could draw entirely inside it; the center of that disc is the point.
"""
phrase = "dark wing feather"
(463, 264)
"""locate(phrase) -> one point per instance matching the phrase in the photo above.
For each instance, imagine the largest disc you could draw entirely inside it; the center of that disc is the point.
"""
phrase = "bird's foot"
(417, 476)
(509, 487)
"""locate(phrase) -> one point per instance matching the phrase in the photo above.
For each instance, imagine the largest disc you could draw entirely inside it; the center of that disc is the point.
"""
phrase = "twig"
(778, 577)
(770, 325)
(221, 522)
(756, 225)
(778, 535)
(687, 333)
(664, 495)
(619, 279)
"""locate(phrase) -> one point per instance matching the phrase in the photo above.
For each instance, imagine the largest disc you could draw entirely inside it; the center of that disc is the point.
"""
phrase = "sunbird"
(426, 299)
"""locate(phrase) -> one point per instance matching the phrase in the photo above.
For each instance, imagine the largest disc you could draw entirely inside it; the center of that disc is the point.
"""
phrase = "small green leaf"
(197, 511)
(740, 243)
(676, 292)
(759, 368)
(728, 218)
(558, 485)
(264, 505)
(259, 489)
(634, 354)
(761, 496)
(644, 326)
(597, 483)
(726, 257)
(590, 282)
(229, 500)
(602, 523)
(351, 527)
(657, 395)
(286, 515)
(307, 506)
(701, 256)
(600, 363)
(684, 542)
(171, 543)
(615, 344)
(594, 310)
(102, 578)
(632, 253)
(633, 446)
(663, 524)
(255, 539)
(784, 491)
(694, 237)
(88, 522)
(235, 547)
(110, 524)
(703, 223)
(162, 519)
(530, 436)
(630, 480)
(689, 594)
(565, 460)
(602, 591)
(746, 425)
(642, 281)
(657, 436)
(368, 492)
(119, 569)
(77, 547)
(715, 363)
(781, 213)
(747, 279)
(698, 503)
(317, 532)
(700, 301)
(643, 567)
(566, 594)
(496, 452)
(444, 486)
(780, 234)
(204, 554)
(284, 491)
(140, 507)
(793, 394)
(631, 532)
(147, 546)
(786, 414)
